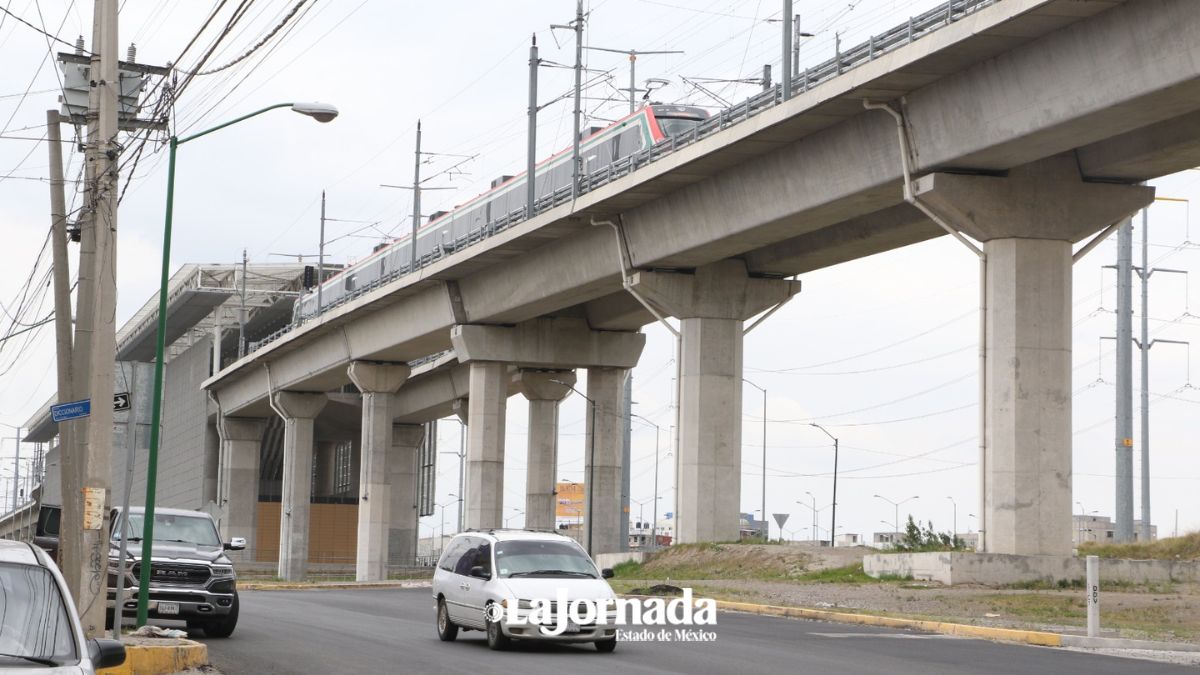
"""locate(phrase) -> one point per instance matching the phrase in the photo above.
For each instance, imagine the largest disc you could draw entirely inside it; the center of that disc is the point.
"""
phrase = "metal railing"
(914, 29)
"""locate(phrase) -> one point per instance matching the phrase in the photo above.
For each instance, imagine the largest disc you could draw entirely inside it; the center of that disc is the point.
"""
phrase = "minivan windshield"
(198, 529)
(541, 558)
(34, 624)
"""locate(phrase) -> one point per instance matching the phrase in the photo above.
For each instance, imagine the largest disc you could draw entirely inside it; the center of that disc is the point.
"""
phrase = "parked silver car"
(481, 573)
(39, 628)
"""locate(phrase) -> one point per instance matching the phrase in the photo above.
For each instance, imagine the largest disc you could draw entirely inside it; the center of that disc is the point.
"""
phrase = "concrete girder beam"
(431, 396)
(1047, 199)
(884, 230)
(557, 342)
(545, 391)
(1028, 222)
(1151, 151)
(241, 439)
(298, 409)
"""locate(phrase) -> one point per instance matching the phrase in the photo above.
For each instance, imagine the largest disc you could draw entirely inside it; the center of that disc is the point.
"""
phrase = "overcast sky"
(882, 350)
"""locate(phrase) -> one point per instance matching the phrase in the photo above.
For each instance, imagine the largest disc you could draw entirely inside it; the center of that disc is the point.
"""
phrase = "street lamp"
(591, 462)
(833, 521)
(954, 532)
(764, 454)
(814, 528)
(321, 112)
(896, 522)
(519, 512)
(657, 430)
(642, 514)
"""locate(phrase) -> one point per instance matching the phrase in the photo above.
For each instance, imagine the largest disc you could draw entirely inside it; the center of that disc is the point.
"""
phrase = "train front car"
(671, 120)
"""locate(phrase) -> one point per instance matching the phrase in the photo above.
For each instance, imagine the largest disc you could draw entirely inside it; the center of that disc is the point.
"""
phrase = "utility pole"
(68, 547)
(103, 153)
(531, 153)
(1124, 386)
(321, 256)
(788, 40)
(632, 54)
(1144, 345)
(16, 470)
(416, 216)
(242, 311)
(577, 27)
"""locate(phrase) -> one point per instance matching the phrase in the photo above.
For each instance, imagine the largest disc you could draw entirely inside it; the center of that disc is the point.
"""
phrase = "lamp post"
(519, 512)
(954, 531)
(591, 462)
(833, 520)
(764, 457)
(322, 112)
(896, 522)
(654, 526)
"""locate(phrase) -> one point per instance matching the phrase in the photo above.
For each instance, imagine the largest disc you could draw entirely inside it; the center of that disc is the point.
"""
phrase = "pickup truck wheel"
(223, 627)
(446, 629)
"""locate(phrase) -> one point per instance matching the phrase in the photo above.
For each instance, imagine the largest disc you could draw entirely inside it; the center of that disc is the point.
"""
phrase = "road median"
(159, 656)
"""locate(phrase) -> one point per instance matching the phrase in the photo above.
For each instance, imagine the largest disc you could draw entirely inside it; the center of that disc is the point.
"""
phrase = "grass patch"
(850, 574)
(1186, 547)
(719, 561)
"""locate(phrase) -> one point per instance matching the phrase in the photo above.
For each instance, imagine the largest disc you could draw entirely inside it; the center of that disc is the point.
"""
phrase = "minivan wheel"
(496, 639)
(606, 646)
(446, 629)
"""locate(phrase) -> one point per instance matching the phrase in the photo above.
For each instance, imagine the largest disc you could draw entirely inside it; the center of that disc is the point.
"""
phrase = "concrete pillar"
(486, 408)
(377, 382)
(242, 440)
(712, 305)
(298, 410)
(544, 395)
(1028, 222)
(402, 473)
(710, 429)
(604, 452)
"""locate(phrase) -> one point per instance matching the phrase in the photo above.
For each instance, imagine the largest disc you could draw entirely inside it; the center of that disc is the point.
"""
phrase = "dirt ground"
(790, 575)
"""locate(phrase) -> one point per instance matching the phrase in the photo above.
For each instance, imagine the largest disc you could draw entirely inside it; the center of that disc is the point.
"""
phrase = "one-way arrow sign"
(121, 401)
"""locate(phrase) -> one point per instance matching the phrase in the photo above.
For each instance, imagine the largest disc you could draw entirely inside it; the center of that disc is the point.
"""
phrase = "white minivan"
(481, 572)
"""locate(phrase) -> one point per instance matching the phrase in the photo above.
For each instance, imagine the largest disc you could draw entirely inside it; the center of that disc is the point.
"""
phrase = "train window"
(349, 284)
(673, 126)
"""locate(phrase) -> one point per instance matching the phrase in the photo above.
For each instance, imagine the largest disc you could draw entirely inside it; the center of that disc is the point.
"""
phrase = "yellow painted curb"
(160, 660)
(1030, 637)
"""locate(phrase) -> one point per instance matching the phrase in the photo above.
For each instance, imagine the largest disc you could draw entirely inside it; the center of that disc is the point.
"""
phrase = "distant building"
(749, 527)
(641, 533)
(1093, 528)
(848, 539)
(886, 540)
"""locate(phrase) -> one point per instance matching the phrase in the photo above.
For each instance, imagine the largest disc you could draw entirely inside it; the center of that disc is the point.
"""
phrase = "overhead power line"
(52, 37)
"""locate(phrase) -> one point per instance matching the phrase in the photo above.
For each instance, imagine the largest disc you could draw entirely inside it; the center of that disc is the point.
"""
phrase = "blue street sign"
(71, 411)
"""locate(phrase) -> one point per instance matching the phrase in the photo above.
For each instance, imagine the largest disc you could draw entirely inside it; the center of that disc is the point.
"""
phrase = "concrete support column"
(242, 439)
(544, 391)
(1028, 221)
(402, 473)
(486, 409)
(710, 430)
(377, 382)
(604, 452)
(1028, 374)
(712, 305)
(298, 410)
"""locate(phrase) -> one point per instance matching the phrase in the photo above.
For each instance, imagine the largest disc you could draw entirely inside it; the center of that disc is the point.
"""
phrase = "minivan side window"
(479, 554)
(453, 553)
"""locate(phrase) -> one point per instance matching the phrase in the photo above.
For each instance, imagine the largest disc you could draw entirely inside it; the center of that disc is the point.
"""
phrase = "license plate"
(572, 627)
(168, 608)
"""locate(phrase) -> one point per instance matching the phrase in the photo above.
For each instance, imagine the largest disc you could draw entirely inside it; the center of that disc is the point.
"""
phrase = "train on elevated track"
(638, 131)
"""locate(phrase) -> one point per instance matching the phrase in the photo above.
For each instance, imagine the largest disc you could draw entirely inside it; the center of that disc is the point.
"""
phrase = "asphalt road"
(392, 631)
